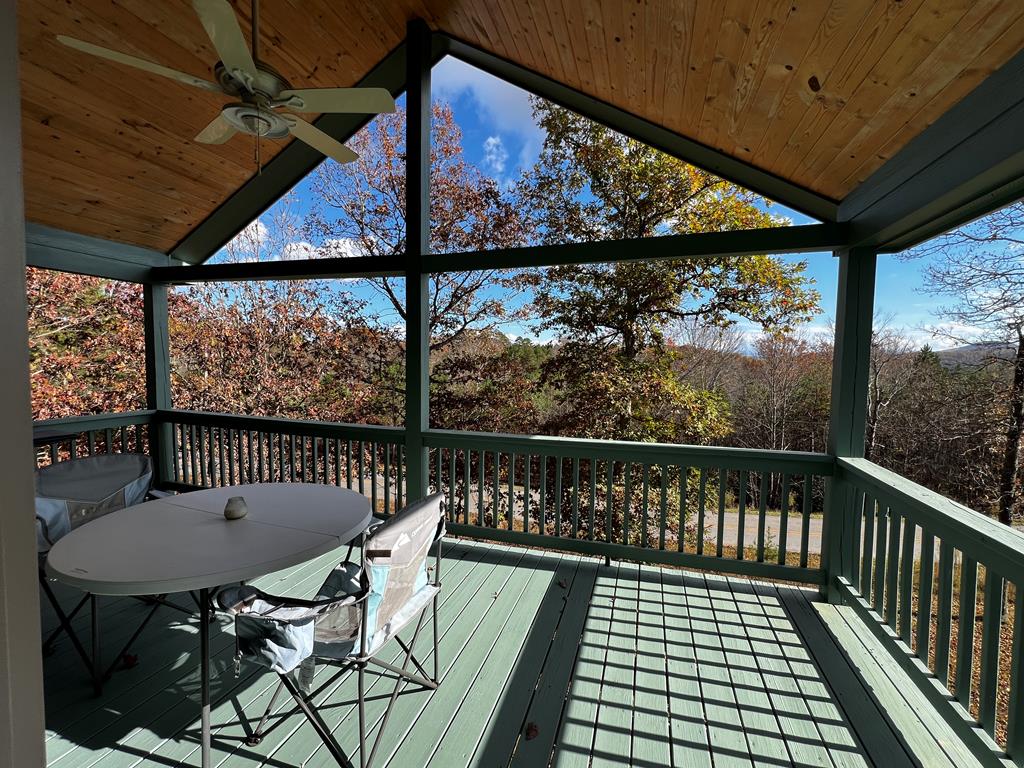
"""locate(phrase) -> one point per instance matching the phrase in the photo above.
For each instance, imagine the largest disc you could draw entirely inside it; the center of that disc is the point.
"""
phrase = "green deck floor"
(546, 659)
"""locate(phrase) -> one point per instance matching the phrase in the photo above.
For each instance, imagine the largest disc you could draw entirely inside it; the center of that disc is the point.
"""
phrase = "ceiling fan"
(262, 93)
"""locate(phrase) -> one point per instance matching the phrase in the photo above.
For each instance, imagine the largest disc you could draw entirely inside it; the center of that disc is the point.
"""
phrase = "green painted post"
(854, 309)
(417, 246)
(158, 378)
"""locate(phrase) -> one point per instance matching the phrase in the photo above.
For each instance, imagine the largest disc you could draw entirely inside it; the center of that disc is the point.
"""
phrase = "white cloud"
(341, 247)
(250, 242)
(501, 103)
(495, 154)
(299, 249)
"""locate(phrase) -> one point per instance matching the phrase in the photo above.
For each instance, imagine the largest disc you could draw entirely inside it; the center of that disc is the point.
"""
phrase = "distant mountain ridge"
(975, 354)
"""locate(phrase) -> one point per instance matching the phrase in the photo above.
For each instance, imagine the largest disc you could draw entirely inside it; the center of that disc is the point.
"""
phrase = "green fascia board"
(795, 462)
(715, 161)
(297, 269)
(968, 163)
(288, 167)
(808, 238)
(51, 248)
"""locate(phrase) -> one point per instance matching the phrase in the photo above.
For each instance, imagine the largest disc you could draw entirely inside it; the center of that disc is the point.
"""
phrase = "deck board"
(547, 659)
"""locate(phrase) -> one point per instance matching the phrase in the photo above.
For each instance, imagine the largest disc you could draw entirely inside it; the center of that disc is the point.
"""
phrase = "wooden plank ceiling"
(817, 92)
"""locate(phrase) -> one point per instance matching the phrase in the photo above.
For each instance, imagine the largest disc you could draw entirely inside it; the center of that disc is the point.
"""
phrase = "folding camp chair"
(357, 610)
(70, 494)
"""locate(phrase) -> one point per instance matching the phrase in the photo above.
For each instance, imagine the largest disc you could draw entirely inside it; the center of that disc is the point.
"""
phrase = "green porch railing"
(751, 512)
(213, 449)
(924, 572)
(62, 439)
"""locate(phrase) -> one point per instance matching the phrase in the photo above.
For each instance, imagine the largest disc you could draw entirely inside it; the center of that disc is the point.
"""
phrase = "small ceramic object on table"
(235, 509)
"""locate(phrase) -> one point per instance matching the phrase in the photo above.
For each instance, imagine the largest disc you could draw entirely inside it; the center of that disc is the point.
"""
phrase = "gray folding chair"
(359, 608)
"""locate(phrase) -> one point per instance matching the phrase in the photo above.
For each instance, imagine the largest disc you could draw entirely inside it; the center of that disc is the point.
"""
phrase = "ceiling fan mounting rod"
(255, 30)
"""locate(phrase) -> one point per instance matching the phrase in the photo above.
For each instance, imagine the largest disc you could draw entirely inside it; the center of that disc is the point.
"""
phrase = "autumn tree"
(591, 183)
(86, 344)
(361, 210)
(979, 269)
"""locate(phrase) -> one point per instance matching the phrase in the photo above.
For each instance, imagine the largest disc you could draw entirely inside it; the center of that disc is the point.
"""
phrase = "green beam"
(158, 376)
(298, 269)
(688, 150)
(417, 239)
(798, 239)
(967, 163)
(49, 248)
(850, 363)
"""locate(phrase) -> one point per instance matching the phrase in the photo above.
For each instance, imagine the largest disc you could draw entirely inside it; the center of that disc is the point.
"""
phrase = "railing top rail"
(93, 421)
(652, 453)
(287, 426)
(978, 536)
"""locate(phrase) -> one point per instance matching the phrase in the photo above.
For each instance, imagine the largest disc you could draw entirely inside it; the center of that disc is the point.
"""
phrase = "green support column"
(158, 377)
(417, 246)
(850, 362)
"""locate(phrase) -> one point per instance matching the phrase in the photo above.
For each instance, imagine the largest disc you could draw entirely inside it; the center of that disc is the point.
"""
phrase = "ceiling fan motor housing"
(256, 120)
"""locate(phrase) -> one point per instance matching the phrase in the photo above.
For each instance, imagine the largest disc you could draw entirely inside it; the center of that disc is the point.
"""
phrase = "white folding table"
(184, 543)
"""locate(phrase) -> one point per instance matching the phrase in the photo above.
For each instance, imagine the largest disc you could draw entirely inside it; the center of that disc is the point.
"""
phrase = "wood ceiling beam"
(968, 163)
(49, 248)
(737, 171)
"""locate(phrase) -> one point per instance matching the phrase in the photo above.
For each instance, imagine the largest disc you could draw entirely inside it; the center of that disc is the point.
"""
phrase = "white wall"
(21, 673)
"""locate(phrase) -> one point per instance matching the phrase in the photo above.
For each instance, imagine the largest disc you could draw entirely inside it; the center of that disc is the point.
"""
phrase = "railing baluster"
(762, 514)
(205, 457)
(990, 628)
(337, 461)
(892, 568)
(627, 499)
(592, 511)
(316, 458)
(387, 477)
(481, 473)
(527, 471)
(663, 522)
(646, 485)
(609, 503)
(805, 529)
(575, 497)
(400, 494)
(466, 459)
(511, 489)
(867, 547)
(192, 455)
(360, 467)
(543, 494)
(373, 476)
(924, 596)
(906, 597)
(723, 480)
(784, 519)
(1015, 712)
(945, 618)
(451, 485)
(348, 464)
(220, 453)
(558, 495)
(91, 439)
(702, 488)
(881, 555)
(965, 631)
(496, 490)
(684, 479)
(176, 449)
(741, 526)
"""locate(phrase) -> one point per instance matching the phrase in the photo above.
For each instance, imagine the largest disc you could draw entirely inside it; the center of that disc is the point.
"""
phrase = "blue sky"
(501, 138)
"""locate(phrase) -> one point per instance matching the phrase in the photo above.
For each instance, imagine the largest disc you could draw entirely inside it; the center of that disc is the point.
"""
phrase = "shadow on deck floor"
(546, 658)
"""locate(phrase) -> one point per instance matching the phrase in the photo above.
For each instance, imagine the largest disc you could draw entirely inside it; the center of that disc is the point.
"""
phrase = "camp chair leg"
(437, 673)
(318, 725)
(65, 621)
(97, 677)
(362, 716)
(256, 736)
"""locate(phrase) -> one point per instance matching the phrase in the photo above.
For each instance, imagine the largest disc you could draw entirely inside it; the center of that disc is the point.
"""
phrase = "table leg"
(204, 673)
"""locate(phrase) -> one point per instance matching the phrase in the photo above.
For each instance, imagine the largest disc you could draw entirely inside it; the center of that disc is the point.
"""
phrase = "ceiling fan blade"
(320, 141)
(135, 61)
(221, 24)
(217, 132)
(350, 100)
